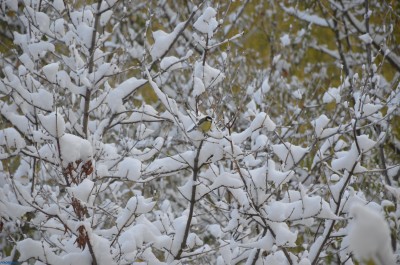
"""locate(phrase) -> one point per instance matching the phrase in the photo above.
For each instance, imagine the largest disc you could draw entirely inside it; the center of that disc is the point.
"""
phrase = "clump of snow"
(26, 60)
(85, 16)
(319, 124)
(364, 106)
(147, 153)
(101, 249)
(333, 94)
(226, 253)
(42, 99)
(130, 168)
(84, 33)
(39, 49)
(53, 123)
(83, 190)
(227, 180)
(102, 170)
(208, 75)
(393, 171)
(116, 96)
(207, 23)
(327, 145)
(59, 5)
(365, 143)
(262, 120)
(57, 26)
(105, 17)
(142, 232)
(22, 173)
(265, 87)
(276, 176)
(298, 207)
(163, 41)
(171, 63)
(11, 138)
(369, 236)
(394, 191)
(30, 248)
(349, 159)
(12, 5)
(198, 87)
(135, 205)
(193, 240)
(42, 21)
(20, 122)
(299, 36)
(306, 16)
(50, 71)
(340, 144)
(238, 138)
(284, 237)
(297, 94)
(10, 209)
(144, 113)
(74, 148)
(103, 70)
(260, 142)
(277, 257)
(143, 132)
(366, 38)
(64, 81)
(215, 230)
(285, 40)
(289, 154)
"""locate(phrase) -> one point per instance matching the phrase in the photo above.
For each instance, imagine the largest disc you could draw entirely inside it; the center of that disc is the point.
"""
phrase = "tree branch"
(196, 169)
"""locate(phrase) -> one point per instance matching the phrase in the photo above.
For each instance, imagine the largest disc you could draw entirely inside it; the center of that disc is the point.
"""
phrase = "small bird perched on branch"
(204, 125)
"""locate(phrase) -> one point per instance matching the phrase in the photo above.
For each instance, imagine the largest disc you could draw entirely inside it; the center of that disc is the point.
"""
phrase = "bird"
(204, 125)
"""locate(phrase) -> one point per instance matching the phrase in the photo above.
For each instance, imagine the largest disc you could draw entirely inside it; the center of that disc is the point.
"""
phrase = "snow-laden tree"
(100, 164)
